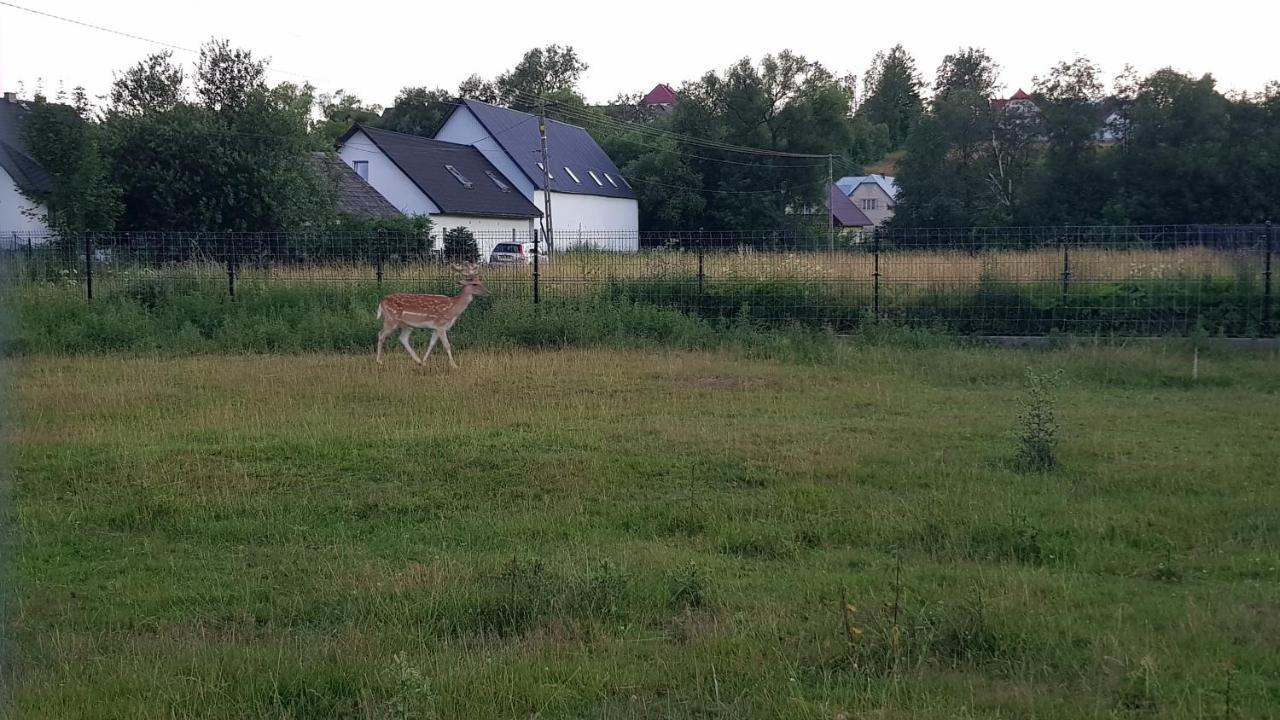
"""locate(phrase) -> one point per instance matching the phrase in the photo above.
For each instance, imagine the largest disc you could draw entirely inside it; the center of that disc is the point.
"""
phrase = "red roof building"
(660, 96)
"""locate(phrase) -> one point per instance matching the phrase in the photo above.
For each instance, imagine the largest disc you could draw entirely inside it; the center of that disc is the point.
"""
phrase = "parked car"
(514, 252)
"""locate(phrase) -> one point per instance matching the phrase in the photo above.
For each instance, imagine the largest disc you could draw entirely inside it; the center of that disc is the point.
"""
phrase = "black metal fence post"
(1267, 326)
(378, 268)
(875, 250)
(231, 267)
(702, 275)
(31, 260)
(537, 290)
(1066, 270)
(88, 265)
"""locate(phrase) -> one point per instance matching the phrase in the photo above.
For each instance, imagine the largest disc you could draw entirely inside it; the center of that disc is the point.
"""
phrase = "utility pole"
(831, 210)
(546, 175)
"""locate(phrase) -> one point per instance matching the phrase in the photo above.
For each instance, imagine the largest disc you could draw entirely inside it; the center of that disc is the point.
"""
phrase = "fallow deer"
(438, 313)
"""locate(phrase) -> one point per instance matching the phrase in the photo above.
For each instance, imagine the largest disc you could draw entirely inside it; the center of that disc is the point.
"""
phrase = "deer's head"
(471, 279)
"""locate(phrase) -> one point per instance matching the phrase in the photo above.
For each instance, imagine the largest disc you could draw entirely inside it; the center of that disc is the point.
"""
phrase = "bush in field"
(460, 245)
(1037, 424)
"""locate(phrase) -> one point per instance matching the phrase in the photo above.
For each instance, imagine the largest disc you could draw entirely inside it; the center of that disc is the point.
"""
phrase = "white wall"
(488, 231)
(12, 216)
(610, 223)
(463, 128)
(870, 190)
(385, 177)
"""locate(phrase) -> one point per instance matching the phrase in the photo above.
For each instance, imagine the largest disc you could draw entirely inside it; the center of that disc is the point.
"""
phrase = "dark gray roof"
(843, 211)
(568, 146)
(354, 195)
(14, 160)
(424, 161)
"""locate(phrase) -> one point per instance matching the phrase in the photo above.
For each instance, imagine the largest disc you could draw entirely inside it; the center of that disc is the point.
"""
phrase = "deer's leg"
(444, 339)
(387, 329)
(435, 335)
(404, 340)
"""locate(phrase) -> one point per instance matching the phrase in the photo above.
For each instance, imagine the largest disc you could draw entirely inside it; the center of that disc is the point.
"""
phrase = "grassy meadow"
(777, 526)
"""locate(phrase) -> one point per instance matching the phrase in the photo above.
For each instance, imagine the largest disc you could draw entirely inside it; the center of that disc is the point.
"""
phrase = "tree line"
(219, 148)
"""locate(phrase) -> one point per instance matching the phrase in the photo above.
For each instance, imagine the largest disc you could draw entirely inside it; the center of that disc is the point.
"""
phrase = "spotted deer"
(438, 313)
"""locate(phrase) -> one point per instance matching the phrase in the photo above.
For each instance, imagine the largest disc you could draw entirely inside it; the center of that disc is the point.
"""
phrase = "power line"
(131, 36)
(588, 116)
(91, 26)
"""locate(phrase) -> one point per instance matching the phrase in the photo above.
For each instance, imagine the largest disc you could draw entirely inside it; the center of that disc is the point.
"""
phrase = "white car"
(514, 252)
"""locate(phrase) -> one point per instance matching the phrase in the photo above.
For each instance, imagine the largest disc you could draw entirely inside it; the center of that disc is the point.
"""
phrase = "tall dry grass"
(916, 267)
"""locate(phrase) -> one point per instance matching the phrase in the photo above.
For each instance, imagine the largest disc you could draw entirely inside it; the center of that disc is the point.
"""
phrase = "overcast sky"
(375, 48)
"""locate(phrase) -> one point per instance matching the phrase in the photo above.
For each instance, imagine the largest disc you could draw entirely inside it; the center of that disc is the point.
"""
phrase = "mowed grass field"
(609, 534)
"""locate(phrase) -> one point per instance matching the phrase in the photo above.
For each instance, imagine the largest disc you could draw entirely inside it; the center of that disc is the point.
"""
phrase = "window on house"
(362, 169)
(498, 181)
(624, 182)
(544, 170)
(611, 182)
(870, 203)
(595, 177)
(458, 176)
(575, 177)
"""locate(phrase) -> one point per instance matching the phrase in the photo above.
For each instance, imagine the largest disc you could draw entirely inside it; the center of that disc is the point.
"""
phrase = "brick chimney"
(11, 97)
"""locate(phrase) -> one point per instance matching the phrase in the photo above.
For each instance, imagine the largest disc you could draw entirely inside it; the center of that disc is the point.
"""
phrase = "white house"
(19, 174)
(591, 203)
(875, 195)
(454, 184)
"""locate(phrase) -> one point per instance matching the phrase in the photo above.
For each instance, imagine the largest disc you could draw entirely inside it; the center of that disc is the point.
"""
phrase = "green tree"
(417, 111)
(228, 79)
(153, 85)
(1074, 185)
(970, 69)
(552, 71)
(892, 86)
(460, 245)
(1174, 167)
(234, 160)
(66, 145)
(477, 88)
(787, 103)
(338, 112)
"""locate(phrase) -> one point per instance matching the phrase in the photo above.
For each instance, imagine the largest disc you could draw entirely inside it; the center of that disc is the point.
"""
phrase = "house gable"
(455, 179)
(579, 165)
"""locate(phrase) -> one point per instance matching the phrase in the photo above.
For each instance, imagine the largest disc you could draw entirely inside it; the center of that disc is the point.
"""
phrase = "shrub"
(460, 245)
(1038, 427)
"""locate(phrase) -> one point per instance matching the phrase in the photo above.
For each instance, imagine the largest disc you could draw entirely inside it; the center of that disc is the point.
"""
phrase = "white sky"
(375, 48)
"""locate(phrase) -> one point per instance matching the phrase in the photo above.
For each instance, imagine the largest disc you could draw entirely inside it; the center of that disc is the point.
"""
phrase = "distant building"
(844, 213)
(874, 195)
(19, 175)
(591, 203)
(1017, 102)
(661, 97)
(453, 184)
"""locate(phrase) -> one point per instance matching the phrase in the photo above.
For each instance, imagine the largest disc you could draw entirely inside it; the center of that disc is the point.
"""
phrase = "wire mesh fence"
(1150, 280)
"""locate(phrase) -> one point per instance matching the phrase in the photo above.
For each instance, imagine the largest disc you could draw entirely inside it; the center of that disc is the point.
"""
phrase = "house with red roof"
(661, 97)
(1020, 101)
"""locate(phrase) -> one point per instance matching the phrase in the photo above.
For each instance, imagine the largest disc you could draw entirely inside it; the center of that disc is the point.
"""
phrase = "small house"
(874, 195)
(591, 203)
(20, 176)
(454, 184)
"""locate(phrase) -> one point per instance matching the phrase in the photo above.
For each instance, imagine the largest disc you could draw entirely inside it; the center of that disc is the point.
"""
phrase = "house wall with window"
(872, 200)
(384, 176)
